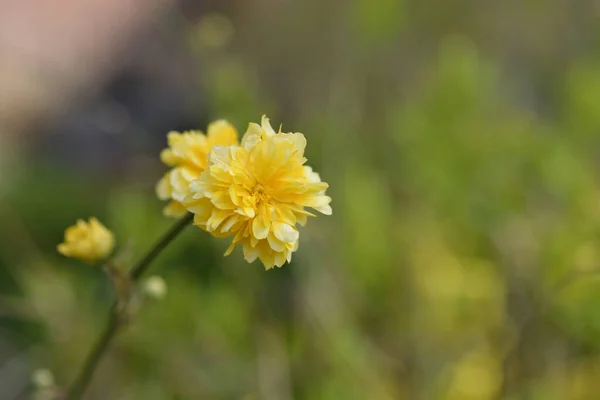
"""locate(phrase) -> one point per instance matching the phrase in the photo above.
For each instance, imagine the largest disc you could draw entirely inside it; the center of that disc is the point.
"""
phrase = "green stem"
(141, 267)
(113, 323)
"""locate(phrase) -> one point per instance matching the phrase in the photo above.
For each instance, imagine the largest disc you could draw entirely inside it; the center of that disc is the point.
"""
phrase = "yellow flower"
(87, 241)
(258, 192)
(187, 154)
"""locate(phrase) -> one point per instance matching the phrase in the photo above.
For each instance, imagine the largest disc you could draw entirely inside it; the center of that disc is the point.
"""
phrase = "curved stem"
(113, 322)
(141, 267)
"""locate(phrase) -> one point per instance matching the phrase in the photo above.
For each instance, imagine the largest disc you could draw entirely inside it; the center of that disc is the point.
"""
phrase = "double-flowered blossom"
(258, 192)
(87, 241)
(187, 154)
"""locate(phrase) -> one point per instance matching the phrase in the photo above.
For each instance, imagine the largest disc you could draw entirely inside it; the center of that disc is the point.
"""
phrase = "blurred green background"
(461, 142)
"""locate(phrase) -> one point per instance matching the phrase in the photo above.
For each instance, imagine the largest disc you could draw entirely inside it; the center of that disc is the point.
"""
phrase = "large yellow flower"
(87, 241)
(258, 192)
(187, 154)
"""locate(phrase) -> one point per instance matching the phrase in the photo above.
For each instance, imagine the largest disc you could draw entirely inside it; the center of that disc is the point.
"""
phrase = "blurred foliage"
(460, 260)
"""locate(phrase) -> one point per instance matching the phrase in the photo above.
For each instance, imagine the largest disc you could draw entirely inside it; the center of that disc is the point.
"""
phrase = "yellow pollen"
(259, 195)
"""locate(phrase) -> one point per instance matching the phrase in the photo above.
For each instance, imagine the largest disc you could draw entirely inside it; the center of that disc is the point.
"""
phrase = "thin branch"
(113, 322)
(141, 267)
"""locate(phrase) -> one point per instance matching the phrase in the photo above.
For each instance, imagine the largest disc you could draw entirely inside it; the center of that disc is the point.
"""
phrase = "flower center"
(259, 195)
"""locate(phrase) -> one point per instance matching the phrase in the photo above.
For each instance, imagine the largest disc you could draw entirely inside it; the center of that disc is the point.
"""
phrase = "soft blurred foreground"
(461, 142)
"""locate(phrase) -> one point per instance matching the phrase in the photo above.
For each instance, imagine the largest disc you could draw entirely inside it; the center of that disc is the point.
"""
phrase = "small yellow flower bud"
(155, 287)
(43, 379)
(87, 241)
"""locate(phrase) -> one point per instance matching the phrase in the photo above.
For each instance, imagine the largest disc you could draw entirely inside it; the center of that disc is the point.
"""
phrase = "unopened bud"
(43, 379)
(155, 287)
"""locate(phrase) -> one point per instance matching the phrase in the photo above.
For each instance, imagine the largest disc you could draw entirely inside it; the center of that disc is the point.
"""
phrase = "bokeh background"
(461, 142)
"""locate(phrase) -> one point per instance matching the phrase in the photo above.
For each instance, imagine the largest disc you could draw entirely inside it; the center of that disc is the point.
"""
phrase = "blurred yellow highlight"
(476, 376)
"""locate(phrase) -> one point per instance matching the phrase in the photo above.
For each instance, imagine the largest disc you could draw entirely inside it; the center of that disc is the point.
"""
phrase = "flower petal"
(163, 188)
(229, 249)
(260, 226)
(285, 232)
(275, 243)
(219, 155)
(174, 209)
(222, 133)
(266, 126)
(252, 136)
